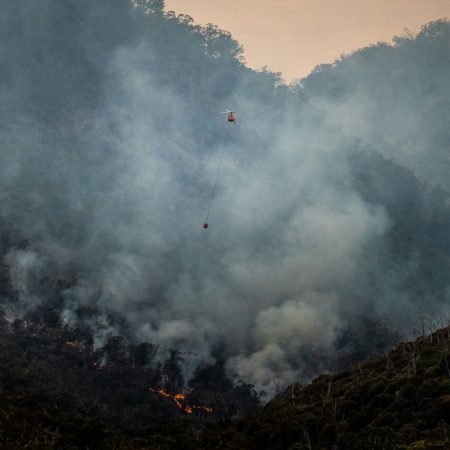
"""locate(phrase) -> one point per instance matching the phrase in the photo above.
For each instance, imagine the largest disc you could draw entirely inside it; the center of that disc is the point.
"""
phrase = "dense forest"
(63, 394)
(58, 391)
(397, 401)
(328, 241)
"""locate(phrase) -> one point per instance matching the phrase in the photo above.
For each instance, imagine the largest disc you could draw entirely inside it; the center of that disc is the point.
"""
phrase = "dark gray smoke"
(111, 137)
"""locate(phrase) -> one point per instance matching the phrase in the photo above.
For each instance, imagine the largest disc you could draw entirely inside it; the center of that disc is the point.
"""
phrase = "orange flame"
(179, 399)
(205, 408)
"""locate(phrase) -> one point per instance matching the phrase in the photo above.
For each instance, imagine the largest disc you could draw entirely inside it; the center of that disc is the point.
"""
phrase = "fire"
(160, 392)
(205, 408)
(179, 399)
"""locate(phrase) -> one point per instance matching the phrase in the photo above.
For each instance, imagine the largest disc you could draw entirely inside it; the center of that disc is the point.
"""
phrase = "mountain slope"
(111, 138)
(60, 394)
(398, 401)
(57, 391)
(394, 97)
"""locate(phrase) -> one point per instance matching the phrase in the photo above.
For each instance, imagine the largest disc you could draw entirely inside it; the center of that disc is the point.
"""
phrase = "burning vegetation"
(181, 402)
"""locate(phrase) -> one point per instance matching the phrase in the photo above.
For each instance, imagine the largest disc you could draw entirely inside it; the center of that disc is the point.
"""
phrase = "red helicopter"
(231, 116)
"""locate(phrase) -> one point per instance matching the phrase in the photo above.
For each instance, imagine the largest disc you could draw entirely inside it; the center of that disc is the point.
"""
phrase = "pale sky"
(293, 36)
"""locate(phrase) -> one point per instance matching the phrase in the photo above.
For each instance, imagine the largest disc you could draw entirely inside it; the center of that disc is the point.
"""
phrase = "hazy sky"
(293, 36)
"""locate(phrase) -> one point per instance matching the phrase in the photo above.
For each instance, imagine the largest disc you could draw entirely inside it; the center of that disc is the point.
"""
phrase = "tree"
(150, 6)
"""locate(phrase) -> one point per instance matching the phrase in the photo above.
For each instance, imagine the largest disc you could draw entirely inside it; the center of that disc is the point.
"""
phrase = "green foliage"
(60, 399)
(393, 409)
(57, 392)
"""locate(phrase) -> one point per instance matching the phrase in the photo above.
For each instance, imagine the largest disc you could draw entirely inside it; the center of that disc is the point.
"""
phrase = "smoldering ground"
(111, 138)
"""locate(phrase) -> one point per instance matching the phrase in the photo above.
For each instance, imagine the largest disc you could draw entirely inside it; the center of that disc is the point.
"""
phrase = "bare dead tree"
(431, 327)
(444, 429)
(296, 394)
(411, 356)
(279, 385)
(196, 428)
(325, 394)
(307, 439)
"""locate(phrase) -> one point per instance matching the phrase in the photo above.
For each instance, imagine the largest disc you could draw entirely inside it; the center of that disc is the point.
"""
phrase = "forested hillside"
(58, 393)
(395, 98)
(328, 234)
(397, 401)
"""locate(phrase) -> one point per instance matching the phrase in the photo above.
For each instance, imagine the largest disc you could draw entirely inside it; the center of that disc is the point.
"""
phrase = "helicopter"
(231, 115)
